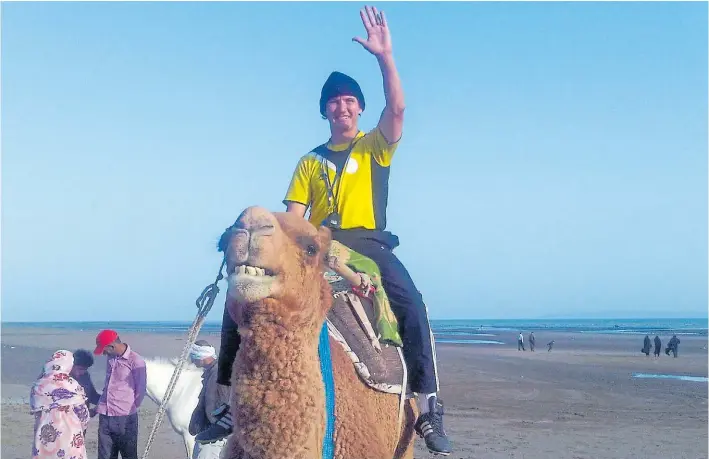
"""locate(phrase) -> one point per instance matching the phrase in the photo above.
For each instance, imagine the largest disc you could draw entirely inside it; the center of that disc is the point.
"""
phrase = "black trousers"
(118, 434)
(230, 342)
(408, 307)
(406, 303)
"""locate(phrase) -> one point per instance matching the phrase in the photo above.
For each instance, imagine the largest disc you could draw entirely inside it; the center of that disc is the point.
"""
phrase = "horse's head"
(275, 264)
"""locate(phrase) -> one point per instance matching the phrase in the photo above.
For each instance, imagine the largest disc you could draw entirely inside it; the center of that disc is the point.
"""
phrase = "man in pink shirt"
(122, 395)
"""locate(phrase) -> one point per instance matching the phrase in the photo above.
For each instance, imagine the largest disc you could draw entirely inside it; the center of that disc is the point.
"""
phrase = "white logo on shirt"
(352, 166)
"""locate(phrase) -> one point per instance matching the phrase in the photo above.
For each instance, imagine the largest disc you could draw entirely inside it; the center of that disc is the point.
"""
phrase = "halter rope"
(204, 304)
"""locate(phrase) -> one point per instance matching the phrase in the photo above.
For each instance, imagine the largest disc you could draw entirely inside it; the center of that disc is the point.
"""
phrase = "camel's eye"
(308, 244)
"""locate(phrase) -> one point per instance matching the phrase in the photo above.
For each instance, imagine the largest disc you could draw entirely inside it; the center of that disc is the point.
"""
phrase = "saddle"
(361, 321)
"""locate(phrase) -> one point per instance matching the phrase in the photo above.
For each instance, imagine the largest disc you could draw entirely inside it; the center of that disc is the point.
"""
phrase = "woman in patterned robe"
(58, 403)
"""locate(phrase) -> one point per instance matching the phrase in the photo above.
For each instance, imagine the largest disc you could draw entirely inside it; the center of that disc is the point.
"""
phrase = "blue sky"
(553, 164)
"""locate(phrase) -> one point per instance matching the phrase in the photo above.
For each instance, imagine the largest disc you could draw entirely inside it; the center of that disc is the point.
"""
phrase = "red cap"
(103, 339)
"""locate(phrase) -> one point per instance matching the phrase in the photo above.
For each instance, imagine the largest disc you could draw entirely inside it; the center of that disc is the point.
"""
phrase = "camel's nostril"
(238, 250)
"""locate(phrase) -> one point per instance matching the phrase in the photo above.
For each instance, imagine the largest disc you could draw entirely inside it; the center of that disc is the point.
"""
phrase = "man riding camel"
(344, 182)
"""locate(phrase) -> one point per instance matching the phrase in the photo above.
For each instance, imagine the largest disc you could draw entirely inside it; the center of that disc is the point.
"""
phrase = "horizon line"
(456, 319)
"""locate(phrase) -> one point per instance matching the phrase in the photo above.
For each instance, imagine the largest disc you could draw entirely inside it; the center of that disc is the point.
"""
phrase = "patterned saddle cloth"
(363, 323)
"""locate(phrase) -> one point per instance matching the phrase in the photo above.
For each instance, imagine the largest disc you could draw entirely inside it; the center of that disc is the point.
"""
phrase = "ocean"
(469, 331)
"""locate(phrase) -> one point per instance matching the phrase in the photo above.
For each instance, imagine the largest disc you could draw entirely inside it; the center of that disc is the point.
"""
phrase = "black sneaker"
(219, 430)
(220, 410)
(429, 426)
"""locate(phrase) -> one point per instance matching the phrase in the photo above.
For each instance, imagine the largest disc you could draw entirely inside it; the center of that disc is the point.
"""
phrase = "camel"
(278, 297)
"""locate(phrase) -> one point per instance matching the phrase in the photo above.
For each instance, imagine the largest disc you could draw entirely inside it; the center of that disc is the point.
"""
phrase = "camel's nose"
(253, 224)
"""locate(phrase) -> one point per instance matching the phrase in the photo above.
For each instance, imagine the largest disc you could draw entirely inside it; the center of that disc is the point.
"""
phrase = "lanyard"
(332, 197)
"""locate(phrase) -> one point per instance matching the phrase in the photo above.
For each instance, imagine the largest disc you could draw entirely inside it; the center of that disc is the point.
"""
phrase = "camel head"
(275, 264)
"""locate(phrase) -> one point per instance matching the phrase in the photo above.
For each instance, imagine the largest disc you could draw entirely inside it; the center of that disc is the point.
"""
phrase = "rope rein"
(204, 304)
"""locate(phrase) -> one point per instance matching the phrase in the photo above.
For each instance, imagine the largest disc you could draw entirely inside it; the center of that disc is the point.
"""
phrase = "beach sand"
(578, 401)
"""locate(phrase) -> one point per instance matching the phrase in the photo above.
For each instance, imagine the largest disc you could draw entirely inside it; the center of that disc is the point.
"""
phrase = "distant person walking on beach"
(58, 403)
(531, 341)
(551, 345)
(658, 346)
(122, 395)
(646, 346)
(672, 346)
(520, 342)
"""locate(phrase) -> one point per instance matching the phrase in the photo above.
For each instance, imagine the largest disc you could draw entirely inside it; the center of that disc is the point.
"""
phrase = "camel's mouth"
(249, 284)
(250, 271)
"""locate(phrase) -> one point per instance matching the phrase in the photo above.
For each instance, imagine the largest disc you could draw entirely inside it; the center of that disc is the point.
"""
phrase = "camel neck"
(277, 378)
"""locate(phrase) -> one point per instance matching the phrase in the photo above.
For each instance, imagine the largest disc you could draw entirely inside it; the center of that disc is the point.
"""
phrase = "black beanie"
(339, 84)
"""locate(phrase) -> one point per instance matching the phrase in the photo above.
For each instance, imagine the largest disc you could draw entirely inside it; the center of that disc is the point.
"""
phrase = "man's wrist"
(386, 58)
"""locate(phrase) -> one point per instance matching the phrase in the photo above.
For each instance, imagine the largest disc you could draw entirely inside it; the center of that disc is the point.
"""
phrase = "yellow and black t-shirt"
(362, 189)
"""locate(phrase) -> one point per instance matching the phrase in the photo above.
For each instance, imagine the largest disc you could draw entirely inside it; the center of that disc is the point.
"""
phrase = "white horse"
(184, 397)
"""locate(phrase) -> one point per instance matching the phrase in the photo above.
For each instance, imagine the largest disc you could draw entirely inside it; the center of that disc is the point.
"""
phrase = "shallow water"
(680, 377)
(468, 341)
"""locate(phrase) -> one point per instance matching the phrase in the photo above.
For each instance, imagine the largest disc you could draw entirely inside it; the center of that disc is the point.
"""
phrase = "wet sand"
(578, 401)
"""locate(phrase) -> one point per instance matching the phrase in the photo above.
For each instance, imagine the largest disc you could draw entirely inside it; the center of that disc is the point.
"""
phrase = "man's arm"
(198, 420)
(298, 196)
(140, 380)
(91, 393)
(296, 208)
(391, 122)
(212, 397)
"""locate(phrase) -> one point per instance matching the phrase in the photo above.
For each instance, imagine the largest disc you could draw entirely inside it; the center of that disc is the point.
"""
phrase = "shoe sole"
(435, 453)
(209, 442)
(438, 453)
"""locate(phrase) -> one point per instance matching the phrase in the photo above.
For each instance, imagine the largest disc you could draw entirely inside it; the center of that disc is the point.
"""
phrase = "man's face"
(202, 363)
(110, 350)
(78, 370)
(342, 112)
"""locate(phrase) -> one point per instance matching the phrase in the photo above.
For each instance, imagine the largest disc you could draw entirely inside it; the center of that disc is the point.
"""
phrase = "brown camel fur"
(278, 297)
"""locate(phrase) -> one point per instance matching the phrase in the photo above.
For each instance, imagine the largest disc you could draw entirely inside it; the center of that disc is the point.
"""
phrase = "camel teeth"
(250, 270)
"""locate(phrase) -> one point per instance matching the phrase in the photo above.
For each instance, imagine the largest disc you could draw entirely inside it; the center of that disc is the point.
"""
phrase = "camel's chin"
(248, 288)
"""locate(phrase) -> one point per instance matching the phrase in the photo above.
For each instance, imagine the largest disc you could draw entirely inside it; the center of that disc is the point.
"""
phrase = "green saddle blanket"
(386, 326)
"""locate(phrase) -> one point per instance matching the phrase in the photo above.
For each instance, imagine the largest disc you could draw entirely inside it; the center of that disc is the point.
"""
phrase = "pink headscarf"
(55, 387)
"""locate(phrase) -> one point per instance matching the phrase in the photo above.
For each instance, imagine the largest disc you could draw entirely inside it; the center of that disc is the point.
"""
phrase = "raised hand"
(378, 40)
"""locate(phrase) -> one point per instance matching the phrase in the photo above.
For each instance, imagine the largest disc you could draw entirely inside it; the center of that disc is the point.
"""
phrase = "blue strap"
(328, 444)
